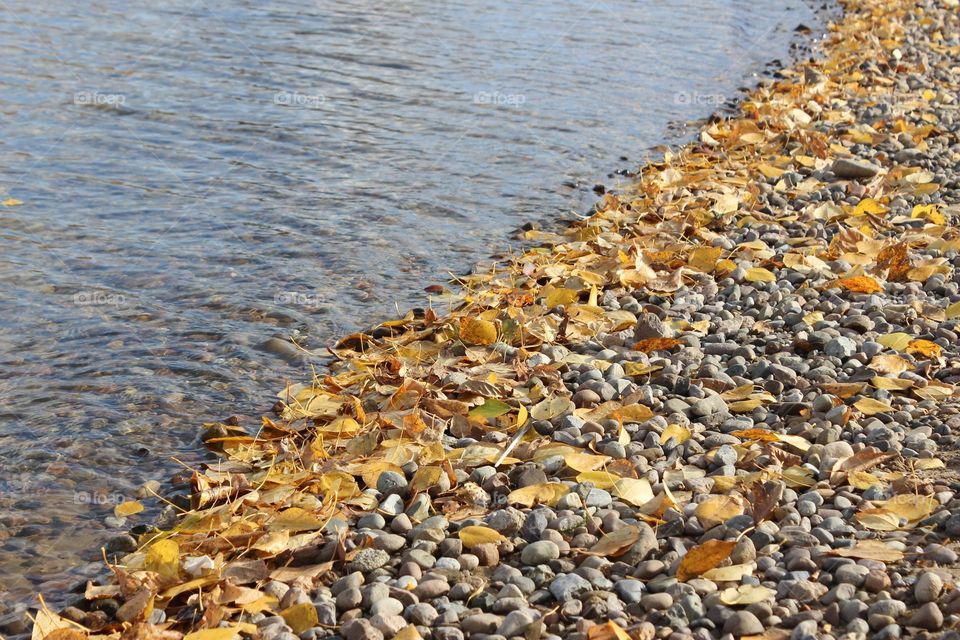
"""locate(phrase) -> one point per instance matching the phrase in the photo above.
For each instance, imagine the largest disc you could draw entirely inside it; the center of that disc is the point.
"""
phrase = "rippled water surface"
(197, 178)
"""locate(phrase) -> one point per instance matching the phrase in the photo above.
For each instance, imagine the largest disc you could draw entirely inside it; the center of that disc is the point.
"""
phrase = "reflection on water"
(202, 183)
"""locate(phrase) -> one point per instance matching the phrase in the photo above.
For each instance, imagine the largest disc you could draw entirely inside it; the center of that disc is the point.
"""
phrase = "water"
(197, 179)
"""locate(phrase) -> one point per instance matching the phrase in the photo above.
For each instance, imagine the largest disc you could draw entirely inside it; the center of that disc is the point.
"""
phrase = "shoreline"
(417, 427)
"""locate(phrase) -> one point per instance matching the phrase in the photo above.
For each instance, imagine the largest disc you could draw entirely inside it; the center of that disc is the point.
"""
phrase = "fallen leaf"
(759, 274)
(300, 617)
(889, 364)
(718, 509)
(218, 633)
(746, 594)
(547, 493)
(163, 558)
(731, 573)
(704, 557)
(858, 284)
(657, 344)
(616, 542)
(128, 508)
(474, 535)
(491, 408)
(870, 407)
(636, 491)
(632, 413)
(476, 331)
(926, 348)
(869, 550)
(878, 519)
(675, 432)
(609, 630)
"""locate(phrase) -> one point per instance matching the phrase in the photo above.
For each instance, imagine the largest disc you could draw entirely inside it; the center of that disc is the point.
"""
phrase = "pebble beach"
(722, 405)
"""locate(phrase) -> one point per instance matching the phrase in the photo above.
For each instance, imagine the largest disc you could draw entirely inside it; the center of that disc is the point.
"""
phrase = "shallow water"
(197, 179)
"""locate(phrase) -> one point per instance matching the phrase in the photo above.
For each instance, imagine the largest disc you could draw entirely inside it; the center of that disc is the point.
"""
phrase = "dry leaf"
(869, 550)
(870, 407)
(858, 284)
(718, 509)
(547, 493)
(476, 331)
(474, 535)
(657, 344)
(616, 542)
(704, 557)
(746, 594)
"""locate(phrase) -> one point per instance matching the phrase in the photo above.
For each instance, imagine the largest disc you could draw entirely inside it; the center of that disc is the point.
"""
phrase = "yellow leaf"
(551, 407)
(676, 432)
(295, 519)
(929, 211)
(128, 508)
(891, 384)
(769, 171)
(475, 331)
(300, 617)
(911, 507)
(474, 535)
(869, 205)
(704, 557)
(926, 348)
(599, 479)
(718, 509)
(610, 630)
(632, 413)
(650, 345)
(878, 519)
(583, 461)
(871, 407)
(704, 259)
(953, 311)
(858, 284)
(409, 632)
(11, 202)
(896, 341)
(926, 464)
(547, 493)
(426, 477)
(163, 558)
(633, 490)
(217, 633)
(561, 296)
(862, 480)
(759, 274)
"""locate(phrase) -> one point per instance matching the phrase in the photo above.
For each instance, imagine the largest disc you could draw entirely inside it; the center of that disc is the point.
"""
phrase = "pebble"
(539, 552)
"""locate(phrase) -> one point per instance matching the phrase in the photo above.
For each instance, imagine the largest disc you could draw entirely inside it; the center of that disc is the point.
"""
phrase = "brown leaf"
(704, 557)
(766, 496)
